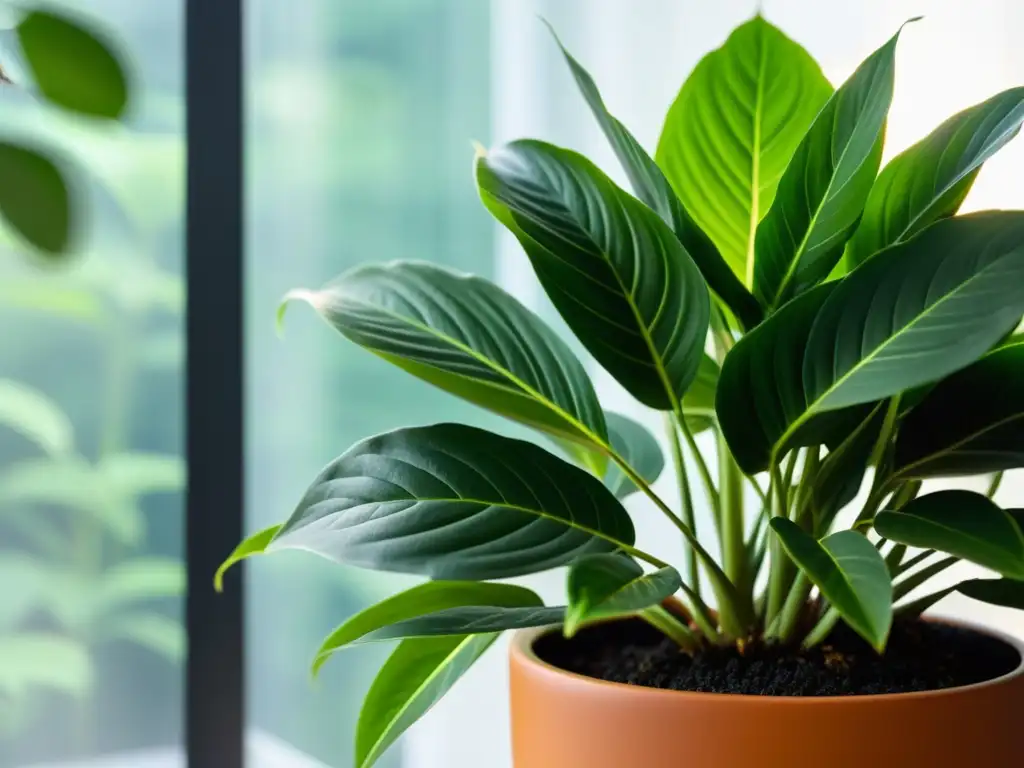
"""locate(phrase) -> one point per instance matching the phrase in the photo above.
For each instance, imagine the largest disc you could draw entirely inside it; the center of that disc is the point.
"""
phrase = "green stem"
(907, 585)
(702, 467)
(686, 502)
(779, 563)
(905, 494)
(721, 334)
(822, 629)
(793, 608)
(915, 560)
(734, 551)
(673, 627)
(993, 486)
(701, 615)
(916, 607)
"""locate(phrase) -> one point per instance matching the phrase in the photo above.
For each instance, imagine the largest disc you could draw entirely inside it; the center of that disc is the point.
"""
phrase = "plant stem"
(822, 629)
(905, 494)
(993, 486)
(914, 580)
(686, 502)
(792, 609)
(915, 560)
(730, 496)
(663, 620)
(779, 560)
(702, 467)
(921, 604)
(701, 615)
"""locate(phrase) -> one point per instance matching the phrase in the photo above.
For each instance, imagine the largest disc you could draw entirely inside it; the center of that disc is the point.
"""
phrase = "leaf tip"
(479, 150)
(297, 294)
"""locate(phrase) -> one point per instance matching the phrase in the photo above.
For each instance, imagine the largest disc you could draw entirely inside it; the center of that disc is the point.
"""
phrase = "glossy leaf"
(1008, 593)
(849, 572)
(760, 390)
(36, 417)
(470, 338)
(613, 269)
(412, 680)
(639, 448)
(34, 198)
(651, 186)
(961, 523)
(611, 585)
(928, 308)
(434, 609)
(253, 545)
(454, 502)
(970, 423)
(929, 181)
(733, 129)
(73, 66)
(822, 193)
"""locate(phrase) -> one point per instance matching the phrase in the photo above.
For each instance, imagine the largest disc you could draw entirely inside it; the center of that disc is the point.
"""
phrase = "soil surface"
(921, 656)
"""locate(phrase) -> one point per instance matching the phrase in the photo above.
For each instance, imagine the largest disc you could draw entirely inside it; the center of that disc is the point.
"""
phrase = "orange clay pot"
(565, 720)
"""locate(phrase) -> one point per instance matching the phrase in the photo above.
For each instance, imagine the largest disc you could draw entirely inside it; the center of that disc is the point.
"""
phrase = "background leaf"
(613, 269)
(849, 572)
(930, 180)
(470, 338)
(73, 66)
(640, 450)
(34, 198)
(733, 129)
(823, 190)
(454, 502)
(961, 523)
(654, 190)
(160, 634)
(612, 585)
(35, 416)
(423, 600)
(970, 423)
(412, 680)
(30, 660)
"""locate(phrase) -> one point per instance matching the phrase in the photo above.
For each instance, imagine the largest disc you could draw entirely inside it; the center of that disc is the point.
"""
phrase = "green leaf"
(929, 181)
(470, 338)
(160, 634)
(611, 585)
(138, 579)
(1008, 593)
(253, 545)
(760, 390)
(454, 502)
(39, 294)
(36, 417)
(928, 308)
(135, 474)
(34, 198)
(961, 523)
(849, 572)
(35, 659)
(654, 190)
(840, 476)
(733, 129)
(74, 67)
(427, 609)
(970, 423)
(614, 270)
(638, 447)
(412, 680)
(822, 193)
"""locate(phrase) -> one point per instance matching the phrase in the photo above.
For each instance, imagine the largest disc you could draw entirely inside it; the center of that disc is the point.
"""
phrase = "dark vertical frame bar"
(215, 696)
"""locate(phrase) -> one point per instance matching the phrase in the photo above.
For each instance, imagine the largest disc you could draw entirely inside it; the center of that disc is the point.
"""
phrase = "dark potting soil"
(920, 656)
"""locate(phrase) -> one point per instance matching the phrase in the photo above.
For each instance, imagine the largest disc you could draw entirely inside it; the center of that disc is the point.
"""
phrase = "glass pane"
(361, 117)
(91, 473)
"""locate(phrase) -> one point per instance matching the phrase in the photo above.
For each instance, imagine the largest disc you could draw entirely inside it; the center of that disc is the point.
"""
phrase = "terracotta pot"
(565, 720)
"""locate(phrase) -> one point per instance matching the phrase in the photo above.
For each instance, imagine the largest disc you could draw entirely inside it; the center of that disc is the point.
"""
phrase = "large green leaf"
(970, 423)
(454, 502)
(929, 181)
(73, 66)
(925, 309)
(36, 417)
(760, 390)
(651, 186)
(468, 337)
(34, 198)
(610, 585)
(733, 129)
(412, 680)
(614, 270)
(849, 572)
(434, 609)
(962, 523)
(1008, 593)
(638, 447)
(822, 193)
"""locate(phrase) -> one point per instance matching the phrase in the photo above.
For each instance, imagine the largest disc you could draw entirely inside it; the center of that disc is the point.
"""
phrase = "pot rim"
(521, 651)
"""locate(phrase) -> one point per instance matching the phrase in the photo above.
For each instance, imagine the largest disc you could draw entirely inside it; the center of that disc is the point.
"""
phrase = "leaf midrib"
(755, 159)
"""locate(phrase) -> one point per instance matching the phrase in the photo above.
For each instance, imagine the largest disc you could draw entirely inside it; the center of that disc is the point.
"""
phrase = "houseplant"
(820, 320)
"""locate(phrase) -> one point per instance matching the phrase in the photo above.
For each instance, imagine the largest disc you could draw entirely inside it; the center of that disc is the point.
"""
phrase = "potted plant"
(841, 335)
